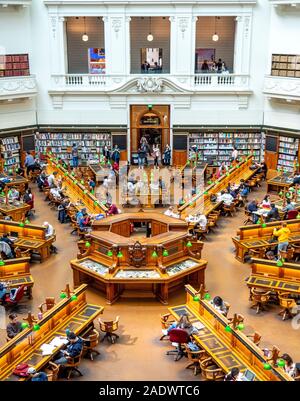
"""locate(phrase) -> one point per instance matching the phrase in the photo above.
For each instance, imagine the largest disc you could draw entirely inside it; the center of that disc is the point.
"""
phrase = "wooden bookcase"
(286, 65)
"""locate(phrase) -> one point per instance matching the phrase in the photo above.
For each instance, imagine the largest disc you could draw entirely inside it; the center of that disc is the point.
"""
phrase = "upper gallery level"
(188, 50)
(15, 3)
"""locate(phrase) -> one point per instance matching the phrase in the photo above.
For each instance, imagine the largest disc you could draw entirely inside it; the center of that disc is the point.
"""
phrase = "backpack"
(21, 370)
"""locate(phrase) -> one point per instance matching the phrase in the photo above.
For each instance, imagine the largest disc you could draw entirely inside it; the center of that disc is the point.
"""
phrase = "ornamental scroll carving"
(149, 84)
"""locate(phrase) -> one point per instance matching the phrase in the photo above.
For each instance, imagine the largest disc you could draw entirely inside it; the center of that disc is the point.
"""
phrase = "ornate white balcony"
(17, 87)
(282, 88)
(153, 83)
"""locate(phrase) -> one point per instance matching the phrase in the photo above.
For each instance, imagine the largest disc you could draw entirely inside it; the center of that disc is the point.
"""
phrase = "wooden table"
(16, 272)
(28, 237)
(16, 212)
(154, 264)
(16, 181)
(273, 284)
(75, 190)
(76, 315)
(280, 182)
(227, 349)
(201, 202)
(256, 237)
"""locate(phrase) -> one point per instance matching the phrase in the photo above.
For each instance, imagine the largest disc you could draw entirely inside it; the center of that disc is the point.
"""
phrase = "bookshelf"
(286, 65)
(89, 145)
(14, 65)
(287, 152)
(218, 146)
(10, 152)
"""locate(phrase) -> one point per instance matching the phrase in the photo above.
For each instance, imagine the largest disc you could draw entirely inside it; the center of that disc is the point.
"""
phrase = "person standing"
(283, 238)
(29, 163)
(106, 153)
(156, 154)
(141, 156)
(234, 154)
(167, 155)
(74, 155)
(116, 155)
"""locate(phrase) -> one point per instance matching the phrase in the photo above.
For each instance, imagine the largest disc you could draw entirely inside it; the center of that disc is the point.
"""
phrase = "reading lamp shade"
(150, 37)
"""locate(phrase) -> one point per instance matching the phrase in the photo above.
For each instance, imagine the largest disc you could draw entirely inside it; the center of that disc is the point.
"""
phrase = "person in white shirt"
(130, 188)
(49, 233)
(55, 192)
(235, 153)
(51, 179)
(290, 367)
(226, 198)
(49, 229)
(266, 202)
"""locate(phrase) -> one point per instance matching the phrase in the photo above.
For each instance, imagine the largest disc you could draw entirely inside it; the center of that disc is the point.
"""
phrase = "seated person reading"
(14, 327)
(252, 207)
(273, 214)
(219, 305)
(226, 198)
(37, 376)
(74, 349)
(13, 194)
(233, 375)
(183, 323)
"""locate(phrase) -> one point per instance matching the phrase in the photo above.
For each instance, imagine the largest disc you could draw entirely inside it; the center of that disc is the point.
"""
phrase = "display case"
(287, 153)
(95, 266)
(133, 274)
(286, 65)
(90, 145)
(180, 267)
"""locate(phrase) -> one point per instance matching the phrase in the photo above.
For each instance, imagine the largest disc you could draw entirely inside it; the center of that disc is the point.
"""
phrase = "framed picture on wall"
(96, 60)
(202, 55)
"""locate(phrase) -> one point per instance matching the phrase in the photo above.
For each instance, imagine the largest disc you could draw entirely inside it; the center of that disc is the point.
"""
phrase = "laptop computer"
(248, 376)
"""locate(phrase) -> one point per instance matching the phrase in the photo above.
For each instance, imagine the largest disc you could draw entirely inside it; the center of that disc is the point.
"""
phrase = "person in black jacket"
(273, 214)
(73, 349)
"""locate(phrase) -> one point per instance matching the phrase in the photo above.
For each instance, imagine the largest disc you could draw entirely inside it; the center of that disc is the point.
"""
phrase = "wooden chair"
(47, 305)
(52, 371)
(22, 253)
(210, 371)
(288, 255)
(90, 343)
(195, 357)
(255, 337)
(260, 299)
(248, 219)
(73, 364)
(108, 328)
(201, 233)
(165, 324)
(296, 251)
(257, 253)
(229, 210)
(289, 306)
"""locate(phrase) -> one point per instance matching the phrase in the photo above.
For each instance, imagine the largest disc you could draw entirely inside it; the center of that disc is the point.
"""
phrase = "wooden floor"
(139, 355)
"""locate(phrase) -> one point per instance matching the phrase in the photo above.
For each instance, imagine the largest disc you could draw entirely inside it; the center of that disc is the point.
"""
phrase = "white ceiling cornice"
(146, 2)
(15, 3)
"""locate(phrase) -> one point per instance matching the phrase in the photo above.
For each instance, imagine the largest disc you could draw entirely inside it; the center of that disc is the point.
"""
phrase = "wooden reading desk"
(121, 265)
(201, 202)
(280, 182)
(257, 237)
(75, 190)
(16, 211)
(16, 272)
(267, 275)
(15, 180)
(76, 315)
(28, 237)
(228, 349)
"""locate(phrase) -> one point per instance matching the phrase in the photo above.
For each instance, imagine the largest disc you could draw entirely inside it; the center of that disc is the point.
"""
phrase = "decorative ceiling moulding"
(146, 2)
(15, 3)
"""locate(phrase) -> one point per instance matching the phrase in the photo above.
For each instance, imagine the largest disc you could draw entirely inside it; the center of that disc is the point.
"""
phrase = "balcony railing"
(107, 83)
(17, 87)
(282, 87)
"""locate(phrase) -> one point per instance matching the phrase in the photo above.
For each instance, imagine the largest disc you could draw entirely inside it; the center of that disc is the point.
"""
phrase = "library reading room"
(149, 190)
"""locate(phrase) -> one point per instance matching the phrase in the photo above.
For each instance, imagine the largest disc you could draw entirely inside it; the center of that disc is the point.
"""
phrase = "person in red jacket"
(112, 209)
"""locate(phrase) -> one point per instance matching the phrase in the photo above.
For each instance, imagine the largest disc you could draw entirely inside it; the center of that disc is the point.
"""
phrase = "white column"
(242, 44)
(57, 44)
(116, 37)
(182, 44)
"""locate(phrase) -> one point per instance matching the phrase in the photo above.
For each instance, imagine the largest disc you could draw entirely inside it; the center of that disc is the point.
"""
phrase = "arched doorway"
(151, 122)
